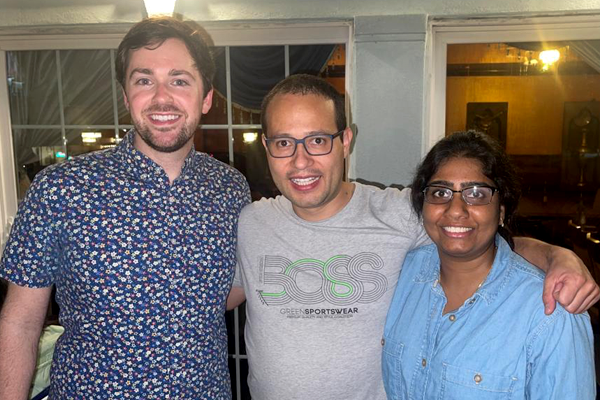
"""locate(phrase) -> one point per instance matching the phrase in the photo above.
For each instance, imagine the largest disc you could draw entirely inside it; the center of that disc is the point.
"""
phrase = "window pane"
(254, 71)
(213, 142)
(35, 149)
(327, 61)
(32, 83)
(87, 87)
(84, 141)
(251, 160)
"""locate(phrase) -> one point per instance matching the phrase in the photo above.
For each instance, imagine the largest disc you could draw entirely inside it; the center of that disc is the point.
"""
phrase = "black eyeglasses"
(473, 195)
(319, 144)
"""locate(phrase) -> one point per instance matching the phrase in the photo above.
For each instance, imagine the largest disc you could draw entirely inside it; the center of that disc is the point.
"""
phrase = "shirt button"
(452, 318)
(424, 362)
(477, 378)
(471, 301)
(383, 342)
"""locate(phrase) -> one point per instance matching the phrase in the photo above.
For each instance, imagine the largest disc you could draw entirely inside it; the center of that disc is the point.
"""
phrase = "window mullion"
(61, 104)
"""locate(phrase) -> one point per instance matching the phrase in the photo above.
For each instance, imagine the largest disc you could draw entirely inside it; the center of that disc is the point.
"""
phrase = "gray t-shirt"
(318, 293)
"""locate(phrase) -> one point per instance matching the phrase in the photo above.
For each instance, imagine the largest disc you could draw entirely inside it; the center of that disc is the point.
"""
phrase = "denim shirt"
(498, 345)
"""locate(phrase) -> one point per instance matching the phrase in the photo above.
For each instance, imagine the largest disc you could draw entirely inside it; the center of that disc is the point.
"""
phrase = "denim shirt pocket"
(468, 384)
(391, 361)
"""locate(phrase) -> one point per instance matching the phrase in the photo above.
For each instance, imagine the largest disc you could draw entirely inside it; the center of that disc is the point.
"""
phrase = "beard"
(182, 137)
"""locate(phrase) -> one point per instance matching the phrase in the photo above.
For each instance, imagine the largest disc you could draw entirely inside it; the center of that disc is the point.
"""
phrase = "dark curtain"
(256, 69)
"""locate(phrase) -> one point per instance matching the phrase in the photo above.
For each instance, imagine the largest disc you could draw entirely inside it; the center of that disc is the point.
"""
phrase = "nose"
(457, 208)
(302, 159)
(162, 93)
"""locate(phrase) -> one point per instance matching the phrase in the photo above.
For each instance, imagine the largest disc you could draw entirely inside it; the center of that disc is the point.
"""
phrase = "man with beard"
(139, 241)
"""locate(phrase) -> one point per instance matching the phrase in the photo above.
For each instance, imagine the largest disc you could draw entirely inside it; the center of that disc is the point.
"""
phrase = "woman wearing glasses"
(466, 321)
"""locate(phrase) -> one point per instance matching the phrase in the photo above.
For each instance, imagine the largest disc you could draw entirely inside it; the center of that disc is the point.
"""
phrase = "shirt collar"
(493, 284)
(144, 168)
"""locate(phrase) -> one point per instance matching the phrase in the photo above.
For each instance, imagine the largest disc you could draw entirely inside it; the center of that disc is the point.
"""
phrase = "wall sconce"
(549, 57)
(155, 8)
(250, 137)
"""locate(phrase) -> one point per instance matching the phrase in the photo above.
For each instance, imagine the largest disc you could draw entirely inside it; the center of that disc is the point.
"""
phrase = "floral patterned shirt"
(142, 269)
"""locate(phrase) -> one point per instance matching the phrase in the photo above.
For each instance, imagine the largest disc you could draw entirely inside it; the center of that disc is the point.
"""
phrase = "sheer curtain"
(588, 50)
(35, 92)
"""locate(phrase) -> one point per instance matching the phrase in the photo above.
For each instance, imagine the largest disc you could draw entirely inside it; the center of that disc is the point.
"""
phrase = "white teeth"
(304, 181)
(457, 229)
(163, 118)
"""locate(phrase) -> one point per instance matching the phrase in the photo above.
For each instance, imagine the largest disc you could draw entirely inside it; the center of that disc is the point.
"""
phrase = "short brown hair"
(152, 32)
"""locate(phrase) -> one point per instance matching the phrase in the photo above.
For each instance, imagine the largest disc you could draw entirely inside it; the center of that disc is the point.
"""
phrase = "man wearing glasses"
(318, 264)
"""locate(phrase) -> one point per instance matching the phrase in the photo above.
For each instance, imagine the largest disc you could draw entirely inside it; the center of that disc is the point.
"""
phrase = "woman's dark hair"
(495, 165)
(152, 32)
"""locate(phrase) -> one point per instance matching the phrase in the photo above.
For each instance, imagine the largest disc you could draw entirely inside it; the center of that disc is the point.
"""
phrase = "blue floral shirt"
(142, 270)
(498, 345)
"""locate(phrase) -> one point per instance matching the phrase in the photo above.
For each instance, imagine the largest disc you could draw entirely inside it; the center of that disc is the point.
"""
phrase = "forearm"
(236, 297)
(18, 350)
(21, 323)
(541, 254)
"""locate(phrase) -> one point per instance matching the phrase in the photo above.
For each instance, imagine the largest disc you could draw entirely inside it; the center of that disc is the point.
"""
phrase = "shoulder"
(222, 172)
(84, 166)
(264, 209)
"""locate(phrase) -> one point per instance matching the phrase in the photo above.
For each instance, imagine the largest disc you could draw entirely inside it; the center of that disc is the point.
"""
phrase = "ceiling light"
(90, 137)
(549, 57)
(159, 7)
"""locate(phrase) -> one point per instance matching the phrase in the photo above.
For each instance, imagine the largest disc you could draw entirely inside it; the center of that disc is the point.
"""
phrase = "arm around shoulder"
(568, 280)
(21, 321)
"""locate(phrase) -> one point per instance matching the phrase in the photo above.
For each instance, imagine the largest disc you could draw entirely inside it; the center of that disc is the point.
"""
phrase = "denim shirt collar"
(145, 169)
(493, 284)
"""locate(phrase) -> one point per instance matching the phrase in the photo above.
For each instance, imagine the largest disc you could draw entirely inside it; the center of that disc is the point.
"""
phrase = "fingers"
(548, 296)
(577, 299)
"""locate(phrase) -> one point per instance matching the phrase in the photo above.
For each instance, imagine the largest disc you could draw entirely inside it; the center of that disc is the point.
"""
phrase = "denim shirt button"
(477, 378)
(471, 301)
(383, 342)
(452, 318)
(424, 362)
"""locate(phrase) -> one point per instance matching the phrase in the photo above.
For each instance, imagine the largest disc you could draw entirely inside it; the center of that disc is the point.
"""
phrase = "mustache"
(162, 108)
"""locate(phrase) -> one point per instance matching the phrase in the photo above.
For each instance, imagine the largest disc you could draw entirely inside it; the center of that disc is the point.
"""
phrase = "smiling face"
(312, 183)
(460, 231)
(164, 94)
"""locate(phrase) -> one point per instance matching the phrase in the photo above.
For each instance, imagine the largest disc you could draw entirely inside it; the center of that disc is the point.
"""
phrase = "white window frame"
(488, 30)
(327, 32)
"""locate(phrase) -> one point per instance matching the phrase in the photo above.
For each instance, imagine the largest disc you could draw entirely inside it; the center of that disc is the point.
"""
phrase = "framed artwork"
(489, 118)
(581, 145)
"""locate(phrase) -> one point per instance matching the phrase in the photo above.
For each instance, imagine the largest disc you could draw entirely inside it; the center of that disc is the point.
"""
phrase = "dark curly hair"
(495, 165)
(152, 32)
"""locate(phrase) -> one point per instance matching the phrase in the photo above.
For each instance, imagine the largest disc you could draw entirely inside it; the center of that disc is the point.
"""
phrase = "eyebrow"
(289, 135)
(449, 184)
(173, 72)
